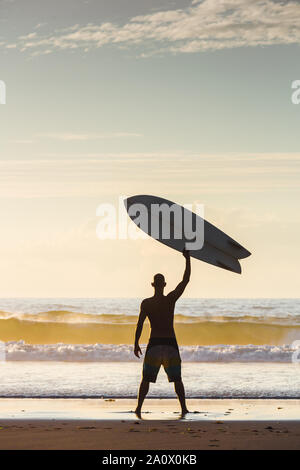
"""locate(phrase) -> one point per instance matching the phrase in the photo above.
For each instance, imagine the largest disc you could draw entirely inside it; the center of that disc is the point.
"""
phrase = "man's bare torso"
(160, 311)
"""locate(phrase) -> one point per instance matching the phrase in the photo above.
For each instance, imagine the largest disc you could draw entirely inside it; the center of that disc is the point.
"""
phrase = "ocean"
(76, 347)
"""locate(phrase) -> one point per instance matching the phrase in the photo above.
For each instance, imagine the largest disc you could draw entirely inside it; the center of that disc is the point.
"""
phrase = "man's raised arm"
(176, 293)
(139, 328)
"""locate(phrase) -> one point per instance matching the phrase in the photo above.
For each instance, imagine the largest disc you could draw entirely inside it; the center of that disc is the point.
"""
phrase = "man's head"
(159, 282)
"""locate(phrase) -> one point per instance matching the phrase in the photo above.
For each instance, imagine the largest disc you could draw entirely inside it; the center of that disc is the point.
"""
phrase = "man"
(162, 348)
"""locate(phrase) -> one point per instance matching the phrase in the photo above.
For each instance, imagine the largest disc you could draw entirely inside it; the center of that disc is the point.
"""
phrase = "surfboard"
(218, 248)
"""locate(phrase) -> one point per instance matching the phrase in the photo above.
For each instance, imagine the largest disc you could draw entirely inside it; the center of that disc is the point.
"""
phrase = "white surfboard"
(218, 248)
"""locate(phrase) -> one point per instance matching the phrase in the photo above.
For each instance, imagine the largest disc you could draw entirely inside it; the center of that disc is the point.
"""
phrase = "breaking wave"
(119, 331)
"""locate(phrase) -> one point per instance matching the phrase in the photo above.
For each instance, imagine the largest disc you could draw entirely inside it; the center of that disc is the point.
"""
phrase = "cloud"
(67, 137)
(22, 141)
(73, 137)
(204, 25)
(103, 175)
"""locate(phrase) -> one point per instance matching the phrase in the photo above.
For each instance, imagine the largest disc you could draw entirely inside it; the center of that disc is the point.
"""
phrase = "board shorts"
(165, 352)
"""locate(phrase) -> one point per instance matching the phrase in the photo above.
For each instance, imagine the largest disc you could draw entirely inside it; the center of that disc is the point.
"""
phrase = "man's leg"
(144, 388)
(179, 389)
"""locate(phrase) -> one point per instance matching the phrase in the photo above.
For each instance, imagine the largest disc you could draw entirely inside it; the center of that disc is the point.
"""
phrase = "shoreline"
(130, 397)
(110, 408)
(102, 424)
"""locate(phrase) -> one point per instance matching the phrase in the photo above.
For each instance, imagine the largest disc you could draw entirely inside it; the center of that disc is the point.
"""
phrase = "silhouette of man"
(162, 347)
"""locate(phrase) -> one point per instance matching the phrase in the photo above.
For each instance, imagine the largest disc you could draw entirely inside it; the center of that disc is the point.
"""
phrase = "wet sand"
(111, 424)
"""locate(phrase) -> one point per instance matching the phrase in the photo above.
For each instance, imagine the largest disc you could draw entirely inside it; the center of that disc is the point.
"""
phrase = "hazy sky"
(189, 100)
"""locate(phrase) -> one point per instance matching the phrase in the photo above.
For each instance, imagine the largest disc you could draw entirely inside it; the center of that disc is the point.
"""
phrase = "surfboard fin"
(243, 253)
(238, 269)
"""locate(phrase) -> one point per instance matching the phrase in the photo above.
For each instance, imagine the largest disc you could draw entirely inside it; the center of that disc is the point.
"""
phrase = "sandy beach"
(111, 424)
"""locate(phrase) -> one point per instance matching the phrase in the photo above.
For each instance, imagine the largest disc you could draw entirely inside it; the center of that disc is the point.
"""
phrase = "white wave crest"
(20, 351)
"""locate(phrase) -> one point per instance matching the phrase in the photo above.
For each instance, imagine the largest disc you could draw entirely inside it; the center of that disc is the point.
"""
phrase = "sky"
(187, 100)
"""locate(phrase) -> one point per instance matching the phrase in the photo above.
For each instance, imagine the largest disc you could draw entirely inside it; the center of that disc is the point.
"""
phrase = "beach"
(69, 378)
(110, 424)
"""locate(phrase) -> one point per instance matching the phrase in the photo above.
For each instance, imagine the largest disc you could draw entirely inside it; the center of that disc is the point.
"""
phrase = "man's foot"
(184, 412)
(138, 412)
